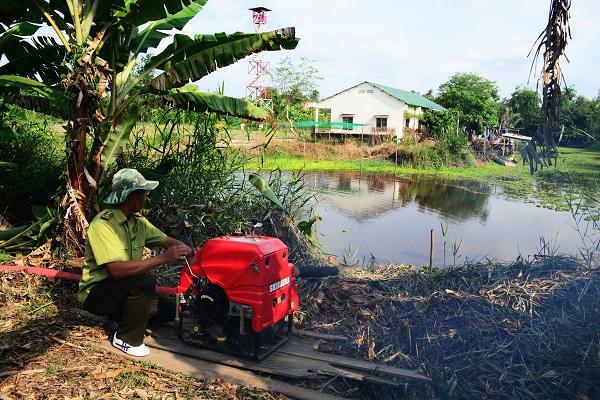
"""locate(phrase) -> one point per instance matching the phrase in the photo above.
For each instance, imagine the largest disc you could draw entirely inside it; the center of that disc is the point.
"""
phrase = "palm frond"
(39, 57)
(34, 95)
(188, 59)
(263, 187)
(202, 101)
(152, 34)
(553, 41)
(119, 136)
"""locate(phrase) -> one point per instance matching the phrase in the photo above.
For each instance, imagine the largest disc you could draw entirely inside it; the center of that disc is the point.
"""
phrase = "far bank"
(572, 177)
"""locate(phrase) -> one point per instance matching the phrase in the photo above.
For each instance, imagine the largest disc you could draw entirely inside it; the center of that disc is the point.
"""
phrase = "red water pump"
(237, 295)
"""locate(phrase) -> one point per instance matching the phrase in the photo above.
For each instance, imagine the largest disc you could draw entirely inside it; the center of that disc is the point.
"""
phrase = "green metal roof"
(414, 99)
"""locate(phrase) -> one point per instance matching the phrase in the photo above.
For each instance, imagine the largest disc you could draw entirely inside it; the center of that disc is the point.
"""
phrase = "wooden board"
(317, 335)
(307, 349)
(209, 371)
(277, 364)
(296, 359)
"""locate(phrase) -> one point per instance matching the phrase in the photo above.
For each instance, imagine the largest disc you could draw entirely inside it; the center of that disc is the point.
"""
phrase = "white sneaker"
(136, 351)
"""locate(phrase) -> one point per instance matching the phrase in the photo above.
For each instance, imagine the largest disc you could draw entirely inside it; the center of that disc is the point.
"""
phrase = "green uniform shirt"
(113, 237)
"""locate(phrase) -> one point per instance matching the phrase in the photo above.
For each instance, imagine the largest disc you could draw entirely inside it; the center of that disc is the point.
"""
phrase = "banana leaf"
(10, 233)
(263, 187)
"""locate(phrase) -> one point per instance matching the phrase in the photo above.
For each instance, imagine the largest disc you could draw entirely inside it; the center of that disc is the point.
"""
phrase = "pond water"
(392, 218)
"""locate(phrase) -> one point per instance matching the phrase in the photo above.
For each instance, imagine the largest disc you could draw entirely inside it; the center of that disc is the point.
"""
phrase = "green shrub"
(203, 191)
(27, 140)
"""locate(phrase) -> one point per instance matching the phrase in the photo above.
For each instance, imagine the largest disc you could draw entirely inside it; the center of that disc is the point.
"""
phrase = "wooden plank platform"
(308, 349)
(297, 359)
(210, 371)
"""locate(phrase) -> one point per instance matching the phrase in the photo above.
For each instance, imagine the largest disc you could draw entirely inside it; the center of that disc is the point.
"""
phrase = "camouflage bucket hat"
(126, 181)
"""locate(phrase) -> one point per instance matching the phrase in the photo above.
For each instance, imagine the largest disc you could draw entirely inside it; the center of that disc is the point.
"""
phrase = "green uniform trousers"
(133, 303)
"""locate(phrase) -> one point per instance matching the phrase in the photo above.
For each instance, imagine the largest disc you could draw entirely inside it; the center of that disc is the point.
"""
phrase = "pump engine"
(237, 295)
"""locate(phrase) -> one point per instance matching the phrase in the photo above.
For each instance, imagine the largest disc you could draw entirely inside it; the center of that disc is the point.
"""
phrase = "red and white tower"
(259, 70)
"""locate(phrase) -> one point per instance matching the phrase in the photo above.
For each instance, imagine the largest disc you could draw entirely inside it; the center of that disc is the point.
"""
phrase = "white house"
(373, 108)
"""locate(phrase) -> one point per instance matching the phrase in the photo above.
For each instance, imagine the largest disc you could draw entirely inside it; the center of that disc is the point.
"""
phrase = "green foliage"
(26, 239)
(456, 143)
(188, 154)
(451, 146)
(291, 190)
(439, 123)
(294, 83)
(204, 191)
(297, 113)
(474, 99)
(526, 103)
(440, 155)
(264, 189)
(27, 142)
(455, 245)
(578, 119)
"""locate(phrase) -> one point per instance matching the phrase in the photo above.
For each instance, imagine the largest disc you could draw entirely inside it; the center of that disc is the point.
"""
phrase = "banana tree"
(82, 73)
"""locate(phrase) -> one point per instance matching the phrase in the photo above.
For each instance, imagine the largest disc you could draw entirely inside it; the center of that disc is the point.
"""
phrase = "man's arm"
(175, 251)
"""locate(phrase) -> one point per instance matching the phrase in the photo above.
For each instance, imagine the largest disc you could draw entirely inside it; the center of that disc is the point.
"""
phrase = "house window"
(381, 122)
(369, 90)
(361, 91)
(407, 122)
(347, 119)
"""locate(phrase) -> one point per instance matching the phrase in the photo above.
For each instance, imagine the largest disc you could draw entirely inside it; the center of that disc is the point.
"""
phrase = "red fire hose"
(67, 276)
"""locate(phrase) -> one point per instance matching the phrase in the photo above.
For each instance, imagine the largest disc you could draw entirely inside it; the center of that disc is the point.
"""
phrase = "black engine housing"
(211, 303)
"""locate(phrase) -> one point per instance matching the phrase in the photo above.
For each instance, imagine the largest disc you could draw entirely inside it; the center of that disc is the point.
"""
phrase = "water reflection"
(364, 196)
(386, 217)
(455, 202)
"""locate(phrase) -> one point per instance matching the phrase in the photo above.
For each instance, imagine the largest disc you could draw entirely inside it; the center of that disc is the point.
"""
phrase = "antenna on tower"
(259, 70)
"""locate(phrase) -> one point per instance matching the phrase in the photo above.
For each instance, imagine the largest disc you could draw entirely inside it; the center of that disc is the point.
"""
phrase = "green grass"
(293, 163)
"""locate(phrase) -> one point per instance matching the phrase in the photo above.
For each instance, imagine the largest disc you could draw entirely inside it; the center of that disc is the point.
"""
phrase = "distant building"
(369, 108)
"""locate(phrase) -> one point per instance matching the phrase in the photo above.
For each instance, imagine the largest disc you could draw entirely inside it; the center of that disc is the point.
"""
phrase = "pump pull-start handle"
(253, 224)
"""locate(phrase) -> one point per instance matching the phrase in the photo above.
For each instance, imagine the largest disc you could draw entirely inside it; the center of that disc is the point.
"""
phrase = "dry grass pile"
(524, 330)
(384, 151)
(392, 152)
(481, 150)
(349, 150)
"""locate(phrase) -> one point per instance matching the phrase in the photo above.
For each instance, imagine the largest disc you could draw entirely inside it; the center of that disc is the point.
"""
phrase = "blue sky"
(410, 45)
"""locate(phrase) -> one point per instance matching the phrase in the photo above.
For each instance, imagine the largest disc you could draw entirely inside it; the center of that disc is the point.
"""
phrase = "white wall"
(365, 102)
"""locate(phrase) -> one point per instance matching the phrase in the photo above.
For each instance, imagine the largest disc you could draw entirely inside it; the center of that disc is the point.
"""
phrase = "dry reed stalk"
(516, 330)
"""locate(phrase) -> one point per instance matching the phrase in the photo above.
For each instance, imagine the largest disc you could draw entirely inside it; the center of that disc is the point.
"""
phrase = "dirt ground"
(48, 350)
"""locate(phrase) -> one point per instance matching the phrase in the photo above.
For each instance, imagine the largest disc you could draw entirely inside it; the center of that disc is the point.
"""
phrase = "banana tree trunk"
(81, 186)
(77, 194)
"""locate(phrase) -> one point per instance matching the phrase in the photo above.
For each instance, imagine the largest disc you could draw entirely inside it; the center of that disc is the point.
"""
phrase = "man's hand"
(170, 242)
(177, 253)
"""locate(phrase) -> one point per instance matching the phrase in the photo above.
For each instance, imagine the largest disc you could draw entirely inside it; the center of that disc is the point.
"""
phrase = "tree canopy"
(295, 82)
(578, 120)
(474, 99)
(526, 103)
